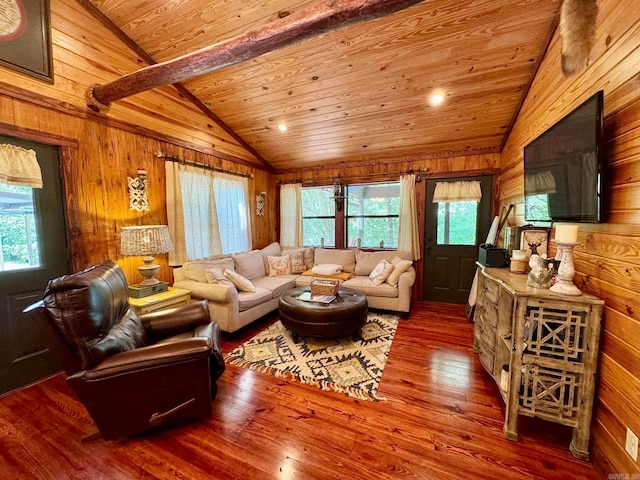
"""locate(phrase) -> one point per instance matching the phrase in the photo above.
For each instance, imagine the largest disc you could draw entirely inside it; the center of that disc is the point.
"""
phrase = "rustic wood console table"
(550, 344)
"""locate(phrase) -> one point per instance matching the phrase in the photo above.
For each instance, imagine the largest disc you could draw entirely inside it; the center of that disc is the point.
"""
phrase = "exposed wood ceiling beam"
(307, 23)
(138, 50)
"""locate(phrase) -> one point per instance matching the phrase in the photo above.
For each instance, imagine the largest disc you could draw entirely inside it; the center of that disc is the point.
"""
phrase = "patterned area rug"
(340, 365)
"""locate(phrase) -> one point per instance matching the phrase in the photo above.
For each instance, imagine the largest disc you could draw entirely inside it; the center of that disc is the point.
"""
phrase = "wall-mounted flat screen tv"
(563, 167)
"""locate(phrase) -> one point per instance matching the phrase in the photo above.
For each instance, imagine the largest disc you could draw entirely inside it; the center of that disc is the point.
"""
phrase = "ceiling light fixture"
(282, 127)
(436, 99)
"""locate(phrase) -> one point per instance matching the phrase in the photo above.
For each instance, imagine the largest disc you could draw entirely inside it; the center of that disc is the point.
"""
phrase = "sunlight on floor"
(451, 369)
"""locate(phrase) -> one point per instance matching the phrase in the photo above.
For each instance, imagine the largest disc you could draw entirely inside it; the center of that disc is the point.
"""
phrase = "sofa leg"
(404, 315)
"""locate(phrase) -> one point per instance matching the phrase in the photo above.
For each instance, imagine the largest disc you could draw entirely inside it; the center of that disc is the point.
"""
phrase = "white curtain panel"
(291, 234)
(19, 166)
(457, 192)
(191, 213)
(234, 225)
(408, 237)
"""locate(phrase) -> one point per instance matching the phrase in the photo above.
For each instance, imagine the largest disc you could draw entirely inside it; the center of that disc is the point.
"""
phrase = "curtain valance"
(19, 166)
(464, 191)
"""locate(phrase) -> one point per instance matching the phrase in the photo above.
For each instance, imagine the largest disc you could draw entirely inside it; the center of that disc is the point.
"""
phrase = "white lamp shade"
(145, 240)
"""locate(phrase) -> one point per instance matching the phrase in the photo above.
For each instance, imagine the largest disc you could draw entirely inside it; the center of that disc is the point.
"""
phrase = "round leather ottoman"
(342, 317)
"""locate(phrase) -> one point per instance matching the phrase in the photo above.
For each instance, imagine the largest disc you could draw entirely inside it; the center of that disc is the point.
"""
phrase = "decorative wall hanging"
(25, 37)
(138, 192)
(260, 203)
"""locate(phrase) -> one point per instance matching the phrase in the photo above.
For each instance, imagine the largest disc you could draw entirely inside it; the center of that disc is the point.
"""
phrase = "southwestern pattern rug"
(340, 365)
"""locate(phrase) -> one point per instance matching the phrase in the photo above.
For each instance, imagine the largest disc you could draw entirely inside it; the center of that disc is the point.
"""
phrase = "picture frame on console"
(533, 239)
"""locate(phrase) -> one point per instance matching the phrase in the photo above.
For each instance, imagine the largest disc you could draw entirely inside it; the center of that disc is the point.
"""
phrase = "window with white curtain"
(231, 203)
(207, 213)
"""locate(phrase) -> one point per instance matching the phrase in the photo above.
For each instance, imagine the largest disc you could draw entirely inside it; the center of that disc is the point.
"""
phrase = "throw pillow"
(279, 265)
(271, 250)
(400, 266)
(239, 281)
(380, 273)
(297, 260)
(215, 275)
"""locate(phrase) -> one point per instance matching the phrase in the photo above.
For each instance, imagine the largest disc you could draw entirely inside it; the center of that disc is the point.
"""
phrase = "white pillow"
(381, 271)
(239, 281)
(279, 265)
(400, 266)
(215, 275)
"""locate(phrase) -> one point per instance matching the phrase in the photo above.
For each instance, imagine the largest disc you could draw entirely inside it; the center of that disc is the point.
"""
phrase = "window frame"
(341, 219)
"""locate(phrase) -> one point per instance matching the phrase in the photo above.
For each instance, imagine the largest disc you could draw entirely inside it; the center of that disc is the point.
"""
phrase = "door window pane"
(318, 216)
(457, 223)
(18, 237)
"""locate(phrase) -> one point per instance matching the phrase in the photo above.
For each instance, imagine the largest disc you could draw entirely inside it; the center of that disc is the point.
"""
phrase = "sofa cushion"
(247, 300)
(215, 275)
(196, 270)
(380, 273)
(240, 282)
(271, 250)
(279, 265)
(250, 264)
(346, 258)
(277, 285)
(366, 286)
(367, 261)
(400, 266)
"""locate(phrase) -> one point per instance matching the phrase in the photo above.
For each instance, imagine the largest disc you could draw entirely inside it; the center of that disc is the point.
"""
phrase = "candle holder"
(564, 283)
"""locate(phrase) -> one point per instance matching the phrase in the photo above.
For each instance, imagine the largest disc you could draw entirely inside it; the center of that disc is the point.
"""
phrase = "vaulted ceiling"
(359, 93)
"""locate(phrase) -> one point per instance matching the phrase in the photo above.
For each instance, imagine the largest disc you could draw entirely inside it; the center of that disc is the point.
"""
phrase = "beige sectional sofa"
(233, 308)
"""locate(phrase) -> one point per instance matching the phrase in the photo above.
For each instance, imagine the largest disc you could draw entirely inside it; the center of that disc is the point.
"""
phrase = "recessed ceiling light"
(282, 127)
(436, 99)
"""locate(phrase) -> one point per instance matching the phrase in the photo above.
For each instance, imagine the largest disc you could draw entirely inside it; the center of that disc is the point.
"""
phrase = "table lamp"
(146, 240)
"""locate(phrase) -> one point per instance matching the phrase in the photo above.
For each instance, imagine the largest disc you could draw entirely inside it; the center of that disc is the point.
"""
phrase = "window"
(372, 215)
(454, 219)
(231, 207)
(215, 213)
(318, 216)
(18, 236)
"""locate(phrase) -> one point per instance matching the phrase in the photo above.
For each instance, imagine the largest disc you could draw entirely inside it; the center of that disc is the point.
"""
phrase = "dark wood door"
(24, 358)
(453, 233)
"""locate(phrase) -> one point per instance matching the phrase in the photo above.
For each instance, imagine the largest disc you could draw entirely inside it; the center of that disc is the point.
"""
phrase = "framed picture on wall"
(25, 37)
(533, 240)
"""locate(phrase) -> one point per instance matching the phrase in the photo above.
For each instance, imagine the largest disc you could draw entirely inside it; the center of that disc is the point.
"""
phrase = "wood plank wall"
(100, 151)
(608, 259)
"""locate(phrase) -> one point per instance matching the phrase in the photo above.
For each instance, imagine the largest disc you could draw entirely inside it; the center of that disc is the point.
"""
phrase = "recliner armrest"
(149, 357)
(173, 321)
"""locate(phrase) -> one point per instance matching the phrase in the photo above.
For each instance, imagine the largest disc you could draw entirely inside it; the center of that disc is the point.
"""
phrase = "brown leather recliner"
(132, 373)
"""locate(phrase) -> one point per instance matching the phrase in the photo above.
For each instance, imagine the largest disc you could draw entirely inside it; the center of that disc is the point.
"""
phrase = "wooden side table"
(173, 297)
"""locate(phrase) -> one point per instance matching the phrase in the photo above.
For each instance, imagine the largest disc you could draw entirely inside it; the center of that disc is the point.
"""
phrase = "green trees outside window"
(18, 237)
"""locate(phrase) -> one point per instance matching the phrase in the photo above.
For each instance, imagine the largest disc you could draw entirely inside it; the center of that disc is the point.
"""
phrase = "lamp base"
(139, 291)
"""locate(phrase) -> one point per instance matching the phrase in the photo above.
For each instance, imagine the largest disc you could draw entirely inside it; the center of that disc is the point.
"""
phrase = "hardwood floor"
(442, 420)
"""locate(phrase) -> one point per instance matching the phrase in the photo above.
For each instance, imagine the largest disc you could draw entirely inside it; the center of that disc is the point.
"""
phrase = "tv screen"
(562, 167)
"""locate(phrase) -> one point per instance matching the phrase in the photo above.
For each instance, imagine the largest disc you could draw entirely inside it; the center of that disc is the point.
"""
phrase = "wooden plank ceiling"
(359, 93)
